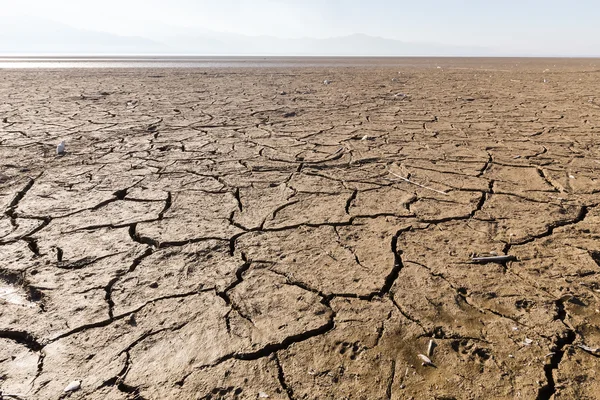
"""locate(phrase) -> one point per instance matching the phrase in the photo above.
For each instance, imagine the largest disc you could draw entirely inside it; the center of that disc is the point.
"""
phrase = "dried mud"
(256, 233)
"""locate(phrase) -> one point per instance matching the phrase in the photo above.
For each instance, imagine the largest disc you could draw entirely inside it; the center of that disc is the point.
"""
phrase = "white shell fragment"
(73, 386)
(426, 360)
(588, 348)
(430, 348)
(366, 137)
(326, 82)
(60, 149)
(263, 395)
(527, 342)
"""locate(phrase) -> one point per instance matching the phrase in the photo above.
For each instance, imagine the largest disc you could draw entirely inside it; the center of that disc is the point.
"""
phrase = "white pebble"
(73, 386)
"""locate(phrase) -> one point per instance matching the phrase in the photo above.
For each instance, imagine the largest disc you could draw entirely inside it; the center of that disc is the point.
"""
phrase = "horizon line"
(76, 56)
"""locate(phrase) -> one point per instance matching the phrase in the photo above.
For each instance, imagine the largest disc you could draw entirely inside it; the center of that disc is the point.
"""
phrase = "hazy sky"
(534, 26)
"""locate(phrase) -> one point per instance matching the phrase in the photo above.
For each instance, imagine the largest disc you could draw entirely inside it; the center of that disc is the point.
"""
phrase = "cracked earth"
(255, 233)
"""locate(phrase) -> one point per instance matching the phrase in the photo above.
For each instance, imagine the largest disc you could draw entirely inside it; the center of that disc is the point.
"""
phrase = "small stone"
(60, 149)
(154, 285)
(73, 386)
(131, 320)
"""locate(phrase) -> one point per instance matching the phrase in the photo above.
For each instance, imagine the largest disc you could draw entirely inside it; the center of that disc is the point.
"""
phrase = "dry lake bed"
(302, 232)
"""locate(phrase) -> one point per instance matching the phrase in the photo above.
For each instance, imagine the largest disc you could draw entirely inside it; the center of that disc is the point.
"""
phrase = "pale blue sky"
(510, 26)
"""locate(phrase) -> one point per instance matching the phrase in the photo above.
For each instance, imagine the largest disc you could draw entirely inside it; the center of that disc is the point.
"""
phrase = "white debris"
(426, 360)
(263, 395)
(14, 295)
(326, 82)
(60, 149)
(366, 137)
(527, 342)
(73, 386)
(588, 348)
(430, 348)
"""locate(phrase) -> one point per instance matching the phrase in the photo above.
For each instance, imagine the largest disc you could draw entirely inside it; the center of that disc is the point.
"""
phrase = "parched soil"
(250, 233)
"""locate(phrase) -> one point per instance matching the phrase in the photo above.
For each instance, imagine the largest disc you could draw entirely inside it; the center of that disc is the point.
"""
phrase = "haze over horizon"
(310, 27)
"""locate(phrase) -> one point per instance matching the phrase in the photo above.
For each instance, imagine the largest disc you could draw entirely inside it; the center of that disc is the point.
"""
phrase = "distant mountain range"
(28, 36)
(352, 45)
(35, 36)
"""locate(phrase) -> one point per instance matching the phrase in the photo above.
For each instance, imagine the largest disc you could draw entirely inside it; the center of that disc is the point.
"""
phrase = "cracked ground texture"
(254, 233)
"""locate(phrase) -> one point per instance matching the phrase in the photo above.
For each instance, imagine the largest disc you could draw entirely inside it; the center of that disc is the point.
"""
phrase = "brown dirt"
(237, 233)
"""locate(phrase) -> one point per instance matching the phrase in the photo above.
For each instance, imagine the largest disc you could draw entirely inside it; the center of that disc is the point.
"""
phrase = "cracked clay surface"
(256, 233)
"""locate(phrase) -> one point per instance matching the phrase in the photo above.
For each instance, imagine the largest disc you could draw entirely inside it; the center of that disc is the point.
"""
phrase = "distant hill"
(352, 45)
(26, 35)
